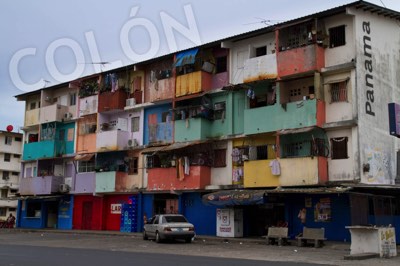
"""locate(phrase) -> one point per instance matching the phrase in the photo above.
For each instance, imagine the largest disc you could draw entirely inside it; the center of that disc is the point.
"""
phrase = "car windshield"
(175, 219)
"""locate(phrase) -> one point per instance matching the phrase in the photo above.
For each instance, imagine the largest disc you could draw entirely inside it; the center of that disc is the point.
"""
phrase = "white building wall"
(245, 49)
(378, 63)
(341, 54)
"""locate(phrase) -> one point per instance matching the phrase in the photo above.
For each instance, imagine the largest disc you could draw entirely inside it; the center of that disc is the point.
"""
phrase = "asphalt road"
(20, 248)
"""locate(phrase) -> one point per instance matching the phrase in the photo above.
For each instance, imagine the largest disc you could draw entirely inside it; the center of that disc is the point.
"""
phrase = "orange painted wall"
(167, 179)
(86, 143)
(321, 113)
(322, 170)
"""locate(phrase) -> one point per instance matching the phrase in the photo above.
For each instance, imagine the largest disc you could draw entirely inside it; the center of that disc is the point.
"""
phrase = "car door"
(152, 226)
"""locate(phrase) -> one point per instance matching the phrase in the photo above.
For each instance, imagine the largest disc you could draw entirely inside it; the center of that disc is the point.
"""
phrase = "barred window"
(133, 166)
(86, 166)
(7, 157)
(337, 36)
(339, 92)
(339, 148)
(220, 158)
(135, 124)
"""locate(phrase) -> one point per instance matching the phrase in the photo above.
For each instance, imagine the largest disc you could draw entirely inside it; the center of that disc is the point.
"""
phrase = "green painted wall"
(275, 117)
(105, 182)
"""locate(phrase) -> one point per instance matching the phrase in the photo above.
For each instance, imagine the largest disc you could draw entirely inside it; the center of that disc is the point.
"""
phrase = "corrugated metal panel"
(319, 190)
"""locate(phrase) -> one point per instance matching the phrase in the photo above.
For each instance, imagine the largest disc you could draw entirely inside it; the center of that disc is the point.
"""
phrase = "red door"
(87, 209)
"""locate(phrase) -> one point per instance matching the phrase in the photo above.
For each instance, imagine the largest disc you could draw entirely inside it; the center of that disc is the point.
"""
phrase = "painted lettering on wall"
(116, 208)
(369, 75)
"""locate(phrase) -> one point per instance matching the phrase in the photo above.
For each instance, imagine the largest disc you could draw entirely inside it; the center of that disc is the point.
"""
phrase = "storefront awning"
(317, 190)
(234, 197)
(150, 150)
(295, 131)
(336, 81)
(186, 57)
(181, 145)
(83, 157)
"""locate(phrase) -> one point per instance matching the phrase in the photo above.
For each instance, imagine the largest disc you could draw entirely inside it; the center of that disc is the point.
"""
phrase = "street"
(20, 248)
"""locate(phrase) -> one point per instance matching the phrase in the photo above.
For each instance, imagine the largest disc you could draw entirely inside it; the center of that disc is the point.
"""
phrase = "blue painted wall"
(145, 206)
(65, 214)
(334, 230)
(201, 216)
(65, 146)
(165, 132)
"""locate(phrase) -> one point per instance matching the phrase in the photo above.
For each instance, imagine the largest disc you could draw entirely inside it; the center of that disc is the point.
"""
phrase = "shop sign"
(116, 208)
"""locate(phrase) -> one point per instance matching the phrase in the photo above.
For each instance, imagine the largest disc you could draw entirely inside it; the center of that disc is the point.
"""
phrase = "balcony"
(260, 68)
(301, 60)
(32, 117)
(283, 116)
(54, 113)
(167, 179)
(40, 185)
(161, 132)
(86, 143)
(303, 171)
(191, 83)
(113, 181)
(85, 183)
(8, 203)
(109, 101)
(258, 174)
(113, 140)
(88, 105)
(192, 129)
(162, 89)
(44, 149)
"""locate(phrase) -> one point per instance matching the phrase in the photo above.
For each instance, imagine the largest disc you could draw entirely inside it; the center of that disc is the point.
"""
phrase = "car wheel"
(188, 240)
(145, 237)
(158, 239)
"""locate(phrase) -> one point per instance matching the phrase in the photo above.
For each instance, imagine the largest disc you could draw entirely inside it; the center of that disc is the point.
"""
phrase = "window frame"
(341, 154)
(8, 140)
(338, 91)
(135, 124)
(7, 157)
(337, 36)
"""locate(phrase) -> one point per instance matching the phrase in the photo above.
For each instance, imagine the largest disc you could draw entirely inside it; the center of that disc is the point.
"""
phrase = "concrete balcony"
(32, 118)
(43, 149)
(301, 60)
(191, 83)
(86, 143)
(165, 179)
(40, 185)
(162, 89)
(113, 140)
(88, 105)
(112, 101)
(113, 181)
(85, 183)
(192, 129)
(284, 116)
(260, 68)
(54, 113)
(303, 171)
(161, 132)
(8, 203)
(258, 174)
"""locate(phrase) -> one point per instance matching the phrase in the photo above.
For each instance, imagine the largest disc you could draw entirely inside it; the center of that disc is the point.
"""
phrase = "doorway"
(87, 209)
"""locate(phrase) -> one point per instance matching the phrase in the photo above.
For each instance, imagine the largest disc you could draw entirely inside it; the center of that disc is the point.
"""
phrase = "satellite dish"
(9, 128)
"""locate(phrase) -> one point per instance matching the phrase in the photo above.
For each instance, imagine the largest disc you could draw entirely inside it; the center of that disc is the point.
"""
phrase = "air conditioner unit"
(133, 143)
(68, 115)
(64, 188)
(130, 102)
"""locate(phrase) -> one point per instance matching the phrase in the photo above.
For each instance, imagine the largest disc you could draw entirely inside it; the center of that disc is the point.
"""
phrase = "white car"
(169, 226)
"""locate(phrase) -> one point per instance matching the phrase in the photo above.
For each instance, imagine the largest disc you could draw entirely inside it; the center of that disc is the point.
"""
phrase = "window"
(15, 173)
(4, 193)
(86, 166)
(337, 36)
(8, 140)
(133, 166)
(221, 64)
(19, 139)
(153, 161)
(6, 175)
(17, 156)
(339, 148)
(219, 110)
(3, 211)
(262, 152)
(293, 149)
(166, 117)
(32, 106)
(220, 158)
(339, 92)
(295, 92)
(72, 99)
(260, 51)
(7, 157)
(135, 122)
(33, 209)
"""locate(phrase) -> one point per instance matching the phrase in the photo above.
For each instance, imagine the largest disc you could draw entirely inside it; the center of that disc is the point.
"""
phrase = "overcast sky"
(46, 42)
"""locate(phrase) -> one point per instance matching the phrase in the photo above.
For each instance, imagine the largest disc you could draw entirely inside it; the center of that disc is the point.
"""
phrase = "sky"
(46, 42)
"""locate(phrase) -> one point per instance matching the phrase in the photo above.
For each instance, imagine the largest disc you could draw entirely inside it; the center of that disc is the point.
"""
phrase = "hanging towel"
(275, 167)
(187, 165)
(181, 173)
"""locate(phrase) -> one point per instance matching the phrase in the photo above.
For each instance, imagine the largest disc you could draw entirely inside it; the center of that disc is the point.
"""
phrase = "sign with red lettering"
(116, 208)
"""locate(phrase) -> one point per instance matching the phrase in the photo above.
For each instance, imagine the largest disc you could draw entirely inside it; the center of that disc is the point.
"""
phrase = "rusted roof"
(316, 190)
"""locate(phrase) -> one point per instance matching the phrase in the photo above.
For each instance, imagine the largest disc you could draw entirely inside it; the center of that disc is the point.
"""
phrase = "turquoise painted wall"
(275, 117)
(65, 145)
(36, 150)
(105, 182)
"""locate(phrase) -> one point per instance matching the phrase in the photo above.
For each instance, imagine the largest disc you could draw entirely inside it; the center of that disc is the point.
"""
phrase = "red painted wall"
(112, 221)
(322, 170)
(87, 220)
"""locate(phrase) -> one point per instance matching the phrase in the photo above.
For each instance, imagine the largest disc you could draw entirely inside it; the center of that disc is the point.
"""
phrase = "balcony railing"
(162, 89)
(303, 171)
(192, 129)
(85, 183)
(32, 117)
(40, 185)
(109, 101)
(112, 140)
(191, 83)
(113, 181)
(43, 149)
(260, 68)
(54, 113)
(167, 178)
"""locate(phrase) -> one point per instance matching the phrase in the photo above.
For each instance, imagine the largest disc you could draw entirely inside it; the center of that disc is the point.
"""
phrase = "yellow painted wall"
(299, 171)
(188, 84)
(32, 117)
(258, 174)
